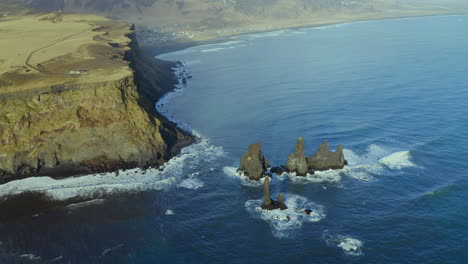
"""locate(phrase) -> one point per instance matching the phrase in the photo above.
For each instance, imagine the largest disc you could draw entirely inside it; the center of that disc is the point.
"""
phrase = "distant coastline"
(156, 50)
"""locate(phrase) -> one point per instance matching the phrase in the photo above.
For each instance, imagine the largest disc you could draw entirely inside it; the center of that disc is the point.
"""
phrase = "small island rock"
(326, 159)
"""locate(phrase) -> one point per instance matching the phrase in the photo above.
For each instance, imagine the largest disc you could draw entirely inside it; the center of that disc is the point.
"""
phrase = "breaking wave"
(244, 180)
(287, 223)
(350, 246)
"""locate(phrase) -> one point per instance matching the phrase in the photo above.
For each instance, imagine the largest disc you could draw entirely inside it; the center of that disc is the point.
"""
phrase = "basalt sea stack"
(268, 203)
(297, 161)
(326, 159)
(253, 163)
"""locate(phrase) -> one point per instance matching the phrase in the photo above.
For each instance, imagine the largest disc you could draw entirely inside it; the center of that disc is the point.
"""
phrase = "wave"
(333, 26)
(398, 161)
(193, 184)
(31, 257)
(222, 48)
(84, 204)
(351, 246)
(177, 172)
(202, 48)
(287, 223)
(169, 212)
(244, 180)
(274, 33)
(108, 250)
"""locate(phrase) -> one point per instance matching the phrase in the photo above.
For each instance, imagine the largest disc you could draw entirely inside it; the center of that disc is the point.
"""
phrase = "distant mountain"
(212, 8)
(188, 20)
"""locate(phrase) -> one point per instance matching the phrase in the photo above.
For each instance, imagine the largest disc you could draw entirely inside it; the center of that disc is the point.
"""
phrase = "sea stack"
(297, 161)
(326, 159)
(253, 163)
(268, 203)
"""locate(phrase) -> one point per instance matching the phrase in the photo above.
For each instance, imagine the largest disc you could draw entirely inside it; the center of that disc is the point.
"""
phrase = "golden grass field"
(39, 50)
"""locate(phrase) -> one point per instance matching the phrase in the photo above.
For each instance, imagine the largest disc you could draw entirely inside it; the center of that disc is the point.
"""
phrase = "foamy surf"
(398, 161)
(169, 212)
(287, 223)
(222, 48)
(203, 48)
(244, 180)
(351, 246)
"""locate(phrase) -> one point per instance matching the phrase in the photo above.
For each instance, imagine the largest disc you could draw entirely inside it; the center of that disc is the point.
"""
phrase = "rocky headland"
(78, 96)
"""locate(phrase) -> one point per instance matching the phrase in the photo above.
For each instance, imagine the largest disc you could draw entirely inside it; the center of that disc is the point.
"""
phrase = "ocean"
(394, 93)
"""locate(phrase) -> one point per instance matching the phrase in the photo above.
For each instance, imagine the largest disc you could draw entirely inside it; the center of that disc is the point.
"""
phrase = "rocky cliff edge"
(77, 96)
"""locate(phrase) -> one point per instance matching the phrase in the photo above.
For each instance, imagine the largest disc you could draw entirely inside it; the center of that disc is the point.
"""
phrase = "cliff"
(77, 96)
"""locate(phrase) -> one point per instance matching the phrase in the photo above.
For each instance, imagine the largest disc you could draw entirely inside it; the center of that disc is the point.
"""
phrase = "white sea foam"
(56, 259)
(193, 184)
(318, 177)
(286, 223)
(201, 48)
(244, 180)
(223, 48)
(169, 212)
(227, 43)
(397, 161)
(177, 172)
(275, 33)
(86, 203)
(175, 53)
(350, 246)
(108, 250)
(360, 167)
(30, 257)
(332, 26)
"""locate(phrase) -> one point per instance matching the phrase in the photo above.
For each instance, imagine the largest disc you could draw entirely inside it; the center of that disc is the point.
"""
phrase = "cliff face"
(87, 124)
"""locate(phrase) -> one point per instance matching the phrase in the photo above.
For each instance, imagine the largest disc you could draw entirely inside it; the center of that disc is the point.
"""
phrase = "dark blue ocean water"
(394, 93)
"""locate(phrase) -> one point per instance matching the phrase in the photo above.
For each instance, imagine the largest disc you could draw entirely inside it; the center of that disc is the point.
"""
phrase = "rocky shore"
(84, 104)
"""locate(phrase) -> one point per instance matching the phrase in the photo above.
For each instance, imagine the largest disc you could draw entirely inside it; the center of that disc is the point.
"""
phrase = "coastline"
(172, 87)
(156, 50)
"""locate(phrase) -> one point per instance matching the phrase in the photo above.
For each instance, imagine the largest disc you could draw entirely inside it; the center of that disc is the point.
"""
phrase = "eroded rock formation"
(326, 159)
(253, 163)
(297, 161)
(268, 203)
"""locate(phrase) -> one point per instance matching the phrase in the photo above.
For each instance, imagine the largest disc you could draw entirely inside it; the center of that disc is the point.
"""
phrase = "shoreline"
(156, 50)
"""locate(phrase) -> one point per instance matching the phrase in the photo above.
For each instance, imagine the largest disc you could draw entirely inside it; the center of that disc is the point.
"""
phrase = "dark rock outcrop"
(268, 203)
(326, 159)
(278, 170)
(253, 163)
(297, 161)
